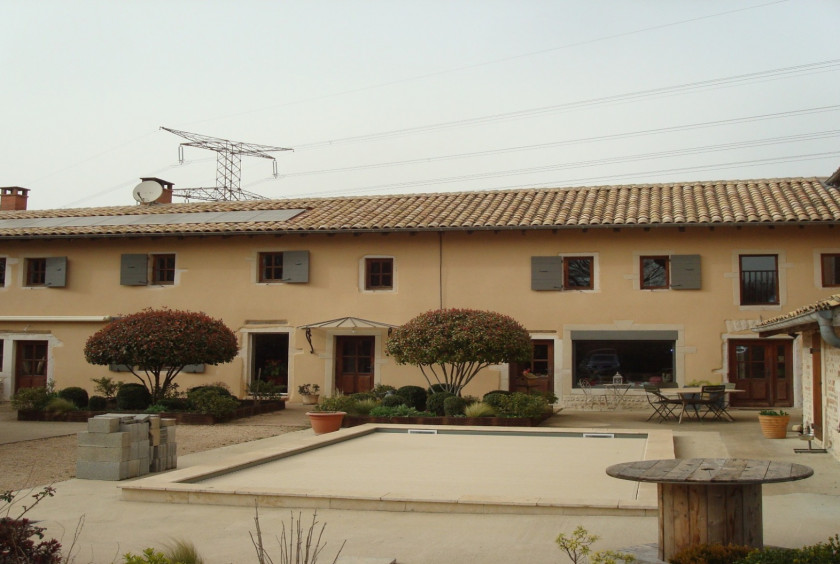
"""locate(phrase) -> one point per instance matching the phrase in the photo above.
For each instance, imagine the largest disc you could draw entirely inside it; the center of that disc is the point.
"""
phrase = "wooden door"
(541, 368)
(816, 373)
(763, 369)
(354, 364)
(30, 364)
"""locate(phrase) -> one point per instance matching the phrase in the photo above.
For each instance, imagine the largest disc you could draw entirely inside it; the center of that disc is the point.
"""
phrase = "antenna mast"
(228, 166)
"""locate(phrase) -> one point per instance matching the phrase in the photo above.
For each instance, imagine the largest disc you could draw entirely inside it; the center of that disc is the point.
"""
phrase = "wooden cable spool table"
(709, 500)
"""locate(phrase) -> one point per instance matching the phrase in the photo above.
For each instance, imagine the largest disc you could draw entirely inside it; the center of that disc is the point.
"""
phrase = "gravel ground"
(27, 464)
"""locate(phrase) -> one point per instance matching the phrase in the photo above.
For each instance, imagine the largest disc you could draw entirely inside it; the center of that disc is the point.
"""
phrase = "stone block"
(103, 424)
(167, 422)
(154, 422)
(102, 470)
(86, 438)
(103, 454)
(154, 436)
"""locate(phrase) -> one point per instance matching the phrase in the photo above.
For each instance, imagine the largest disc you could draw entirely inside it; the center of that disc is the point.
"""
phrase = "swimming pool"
(431, 469)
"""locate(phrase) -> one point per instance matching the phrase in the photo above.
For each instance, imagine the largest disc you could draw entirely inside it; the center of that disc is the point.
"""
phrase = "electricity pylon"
(228, 166)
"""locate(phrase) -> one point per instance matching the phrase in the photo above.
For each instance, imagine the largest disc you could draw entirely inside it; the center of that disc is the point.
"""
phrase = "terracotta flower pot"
(774, 426)
(325, 421)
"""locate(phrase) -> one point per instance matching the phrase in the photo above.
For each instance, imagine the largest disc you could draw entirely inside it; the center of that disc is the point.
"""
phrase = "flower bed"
(247, 409)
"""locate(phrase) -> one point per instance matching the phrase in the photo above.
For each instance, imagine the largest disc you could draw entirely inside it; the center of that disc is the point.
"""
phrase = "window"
(759, 279)
(271, 267)
(36, 271)
(50, 272)
(2, 272)
(639, 356)
(577, 273)
(163, 269)
(563, 273)
(379, 274)
(654, 273)
(290, 267)
(830, 270)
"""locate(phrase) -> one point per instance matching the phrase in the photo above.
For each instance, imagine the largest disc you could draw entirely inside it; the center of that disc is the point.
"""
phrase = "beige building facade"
(660, 283)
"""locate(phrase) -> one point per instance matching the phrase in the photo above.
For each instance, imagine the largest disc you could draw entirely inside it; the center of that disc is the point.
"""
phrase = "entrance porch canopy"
(343, 323)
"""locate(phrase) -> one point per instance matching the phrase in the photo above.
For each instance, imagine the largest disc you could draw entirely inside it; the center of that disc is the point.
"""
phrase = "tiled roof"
(747, 202)
(792, 319)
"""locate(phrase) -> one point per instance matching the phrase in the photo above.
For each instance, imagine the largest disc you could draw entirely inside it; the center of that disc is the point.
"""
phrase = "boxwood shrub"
(78, 396)
(97, 403)
(393, 400)
(414, 396)
(454, 406)
(133, 397)
(434, 403)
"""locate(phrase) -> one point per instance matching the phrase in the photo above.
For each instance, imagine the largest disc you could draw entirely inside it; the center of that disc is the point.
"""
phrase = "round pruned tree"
(451, 346)
(156, 344)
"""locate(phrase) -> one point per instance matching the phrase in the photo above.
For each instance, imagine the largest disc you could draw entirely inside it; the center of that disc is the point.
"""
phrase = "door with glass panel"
(30, 364)
(763, 369)
(354, 364)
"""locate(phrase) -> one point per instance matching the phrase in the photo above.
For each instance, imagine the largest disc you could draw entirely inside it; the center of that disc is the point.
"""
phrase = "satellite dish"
(147, 191)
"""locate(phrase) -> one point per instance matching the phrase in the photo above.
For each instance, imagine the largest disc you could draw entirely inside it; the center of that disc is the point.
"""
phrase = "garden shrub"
(710, 554)
(820, 553)
(156, 408)
(434, 403)
(97, 403)
(78, 396)
(17, 543)
(414, 396)
(393, 400)
(494, 399)
(59, 405)
(454, 406)
(364, 406)
(133, 397)
(518, 404)
(175, 404)
(479, 409)
(210, 401)
(106, 386)
(398, 411)
(381, 390)
(337, 402)
(360, 396)
(221, 390)
(31, 398)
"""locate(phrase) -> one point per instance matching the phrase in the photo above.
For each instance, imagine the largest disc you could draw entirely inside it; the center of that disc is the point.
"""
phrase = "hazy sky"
(395, 96)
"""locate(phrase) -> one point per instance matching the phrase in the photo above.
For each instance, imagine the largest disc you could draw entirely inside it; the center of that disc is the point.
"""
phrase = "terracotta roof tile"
(828, 303)
(772, 201)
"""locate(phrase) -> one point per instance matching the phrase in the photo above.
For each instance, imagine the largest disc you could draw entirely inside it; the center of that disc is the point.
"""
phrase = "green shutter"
(134, 270)
(296, 267)
(685, 272)
(546, 273)
(56, 273)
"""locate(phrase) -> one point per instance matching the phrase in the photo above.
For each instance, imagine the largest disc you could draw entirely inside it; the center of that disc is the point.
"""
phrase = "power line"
(577, 141)
(773, 74)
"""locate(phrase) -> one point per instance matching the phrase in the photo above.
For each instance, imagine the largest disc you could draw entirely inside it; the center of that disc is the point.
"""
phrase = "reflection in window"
(577, 272)
(654, 271)
(638, 361)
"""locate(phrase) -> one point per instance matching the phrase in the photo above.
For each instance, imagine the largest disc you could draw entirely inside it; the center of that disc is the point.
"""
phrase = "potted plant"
(309, 393)
(327, 416)
(773, 423)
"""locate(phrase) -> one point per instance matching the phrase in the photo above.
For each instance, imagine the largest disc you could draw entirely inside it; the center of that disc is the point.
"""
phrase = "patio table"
(686, 395)
(615, 393)
(709, 500)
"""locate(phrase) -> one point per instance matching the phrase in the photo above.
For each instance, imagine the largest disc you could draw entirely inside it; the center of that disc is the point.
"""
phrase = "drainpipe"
(827, 333)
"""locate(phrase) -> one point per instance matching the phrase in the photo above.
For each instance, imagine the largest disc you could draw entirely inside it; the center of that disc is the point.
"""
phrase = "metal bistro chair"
(591, 398)
(663, 406)
(713, 398)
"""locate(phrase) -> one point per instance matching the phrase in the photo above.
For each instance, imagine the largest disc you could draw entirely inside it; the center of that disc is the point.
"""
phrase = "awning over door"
(343, 323)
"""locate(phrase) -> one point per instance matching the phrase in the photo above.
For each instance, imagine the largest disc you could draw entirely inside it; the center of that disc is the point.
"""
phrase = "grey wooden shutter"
(296, 267)
(546, 273)
(685, 272)
(56, 272)
(193, 368)
(134, 270)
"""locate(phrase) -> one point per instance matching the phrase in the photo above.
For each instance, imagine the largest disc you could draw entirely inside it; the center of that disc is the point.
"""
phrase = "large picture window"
(638, 359)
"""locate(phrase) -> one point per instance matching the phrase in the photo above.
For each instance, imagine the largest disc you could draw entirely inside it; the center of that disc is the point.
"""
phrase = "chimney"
(13, 198)
(166, 195)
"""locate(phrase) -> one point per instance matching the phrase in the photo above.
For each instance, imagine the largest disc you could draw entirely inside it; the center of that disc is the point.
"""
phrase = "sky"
(414, 96)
